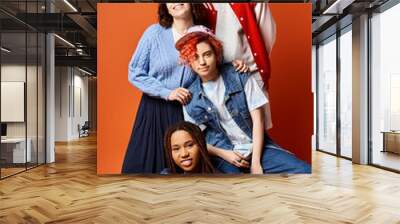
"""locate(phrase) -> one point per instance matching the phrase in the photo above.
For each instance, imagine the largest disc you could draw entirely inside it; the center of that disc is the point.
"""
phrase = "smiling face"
(185, 151)
(205, 62)
(179, 10)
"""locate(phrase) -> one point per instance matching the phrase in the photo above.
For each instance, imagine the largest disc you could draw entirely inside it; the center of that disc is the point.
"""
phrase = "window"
(346, 93)
(385, 88)
(327, 95)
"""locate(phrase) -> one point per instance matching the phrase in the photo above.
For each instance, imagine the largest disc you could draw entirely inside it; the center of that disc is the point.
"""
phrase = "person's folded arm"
(215, 151)
(138, 69)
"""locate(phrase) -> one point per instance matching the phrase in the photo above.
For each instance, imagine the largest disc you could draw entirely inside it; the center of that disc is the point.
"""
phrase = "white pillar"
(360, 90)
(50, 92)
(50, 100)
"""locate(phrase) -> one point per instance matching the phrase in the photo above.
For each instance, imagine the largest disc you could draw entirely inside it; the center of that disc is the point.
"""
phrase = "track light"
(70, 5)
(84, 71)
(64, 40)
(5, 50)
(337, 7)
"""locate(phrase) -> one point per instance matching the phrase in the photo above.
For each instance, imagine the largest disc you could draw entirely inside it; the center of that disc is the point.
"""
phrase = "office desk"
(13, 150)
(391, 141)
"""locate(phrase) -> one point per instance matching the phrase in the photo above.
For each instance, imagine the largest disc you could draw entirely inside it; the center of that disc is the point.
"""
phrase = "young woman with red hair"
(228, 107)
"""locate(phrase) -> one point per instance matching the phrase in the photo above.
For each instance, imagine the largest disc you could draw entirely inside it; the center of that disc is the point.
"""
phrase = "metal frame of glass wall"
(33, 47)
(334, 37)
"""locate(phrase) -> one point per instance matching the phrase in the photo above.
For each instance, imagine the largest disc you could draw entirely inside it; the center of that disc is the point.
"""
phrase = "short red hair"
(187, 50)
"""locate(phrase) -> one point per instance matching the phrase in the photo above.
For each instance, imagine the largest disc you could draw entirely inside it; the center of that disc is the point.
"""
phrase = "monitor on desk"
(3, 130)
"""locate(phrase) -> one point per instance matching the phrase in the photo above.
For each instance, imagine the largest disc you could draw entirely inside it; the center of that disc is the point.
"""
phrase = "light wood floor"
(10, 171)
(387, 159)
(69, 191)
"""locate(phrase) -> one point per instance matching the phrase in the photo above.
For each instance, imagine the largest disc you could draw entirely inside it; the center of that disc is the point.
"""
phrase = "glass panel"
(13, 89)
(23, 87)
(386, 89)
(346, 94)
(41, 98)
(327, 96)
(16, 9)
(31, 101)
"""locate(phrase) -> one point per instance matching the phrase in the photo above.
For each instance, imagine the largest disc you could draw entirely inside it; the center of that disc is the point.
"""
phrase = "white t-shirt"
(215, 92)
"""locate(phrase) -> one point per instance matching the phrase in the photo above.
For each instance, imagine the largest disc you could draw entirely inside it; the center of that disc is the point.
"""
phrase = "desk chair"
(84, 130)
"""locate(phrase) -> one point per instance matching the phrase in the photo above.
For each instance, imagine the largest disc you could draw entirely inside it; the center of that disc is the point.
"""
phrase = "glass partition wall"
(22, 88)
(345, 93)
(327, 95)
(385, 89)
(334, 94)
(334, 90)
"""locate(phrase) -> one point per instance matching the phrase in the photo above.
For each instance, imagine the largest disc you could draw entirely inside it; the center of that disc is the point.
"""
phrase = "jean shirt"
(203, 112)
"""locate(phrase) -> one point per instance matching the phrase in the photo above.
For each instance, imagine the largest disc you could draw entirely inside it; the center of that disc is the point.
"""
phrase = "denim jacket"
(204, 112)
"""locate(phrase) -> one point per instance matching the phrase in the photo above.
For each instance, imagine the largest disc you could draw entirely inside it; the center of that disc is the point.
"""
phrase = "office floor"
(69, 191)
(387, 159)
(10, 171)
(13, 169)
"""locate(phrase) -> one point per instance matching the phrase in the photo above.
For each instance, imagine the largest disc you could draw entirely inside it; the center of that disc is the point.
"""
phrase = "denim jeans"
(273, 160)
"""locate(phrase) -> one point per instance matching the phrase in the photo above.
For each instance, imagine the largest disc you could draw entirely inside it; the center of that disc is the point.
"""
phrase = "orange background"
(121, 25)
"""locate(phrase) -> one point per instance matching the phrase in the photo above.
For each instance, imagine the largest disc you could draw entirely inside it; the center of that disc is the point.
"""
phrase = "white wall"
(61, 103)
(80, 89)
(71, 94)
